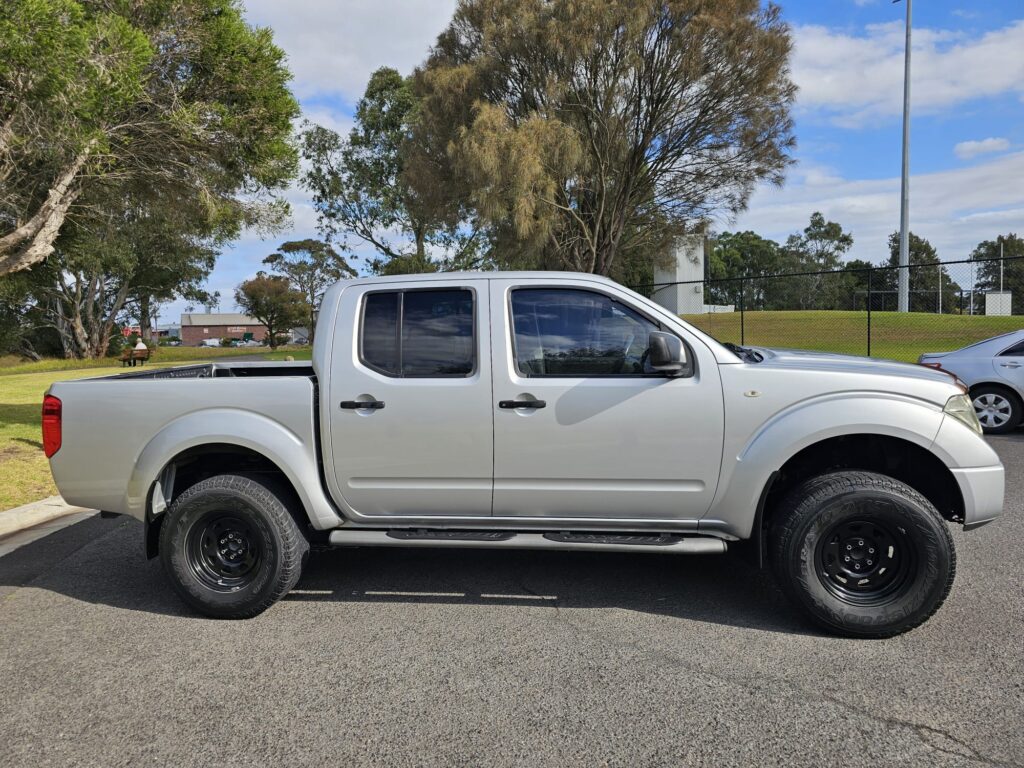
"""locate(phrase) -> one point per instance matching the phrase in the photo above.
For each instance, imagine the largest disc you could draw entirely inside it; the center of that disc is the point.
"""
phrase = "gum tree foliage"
(588, 132)
(987, 274)
(169, 121)
(362, 195)
(820, 247)
(158, 93)
(926, 282)
(272, 300)
(311, 266)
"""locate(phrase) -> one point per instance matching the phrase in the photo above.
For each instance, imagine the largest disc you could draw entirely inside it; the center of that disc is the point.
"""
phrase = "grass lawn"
(24, 471)
(893, 335)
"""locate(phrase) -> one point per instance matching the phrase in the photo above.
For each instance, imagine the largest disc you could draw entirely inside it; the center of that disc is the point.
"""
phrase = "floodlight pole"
(904, 262)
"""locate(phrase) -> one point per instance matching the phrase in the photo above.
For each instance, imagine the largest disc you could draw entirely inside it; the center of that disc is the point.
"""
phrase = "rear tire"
(863, 554)
(230, 547)
(999, 410)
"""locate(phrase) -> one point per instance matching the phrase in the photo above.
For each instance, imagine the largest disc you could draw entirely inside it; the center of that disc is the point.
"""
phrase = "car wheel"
(863, 554)
(999, 411)
(230, 547)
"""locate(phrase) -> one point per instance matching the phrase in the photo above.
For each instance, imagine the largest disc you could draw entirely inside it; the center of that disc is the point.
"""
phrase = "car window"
(1017, 350)
(571, 332)
(419, 333)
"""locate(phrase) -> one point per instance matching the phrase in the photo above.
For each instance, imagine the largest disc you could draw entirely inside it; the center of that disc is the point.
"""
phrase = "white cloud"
(856, 78)
(333, 46)
(966, 150)
(954, 209)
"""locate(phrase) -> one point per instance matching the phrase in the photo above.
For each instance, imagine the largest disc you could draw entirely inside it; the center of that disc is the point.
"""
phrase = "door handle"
(1010, 365)
(359, 405)
(513, 404)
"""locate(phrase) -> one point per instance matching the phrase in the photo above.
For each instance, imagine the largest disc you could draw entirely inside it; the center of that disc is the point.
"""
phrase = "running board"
(594, 542)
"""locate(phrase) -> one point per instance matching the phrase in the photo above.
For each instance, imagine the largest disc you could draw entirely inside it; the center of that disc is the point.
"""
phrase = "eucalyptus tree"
(583, 132)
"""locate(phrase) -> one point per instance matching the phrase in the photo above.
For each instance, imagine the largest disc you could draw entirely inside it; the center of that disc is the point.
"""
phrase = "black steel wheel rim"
(224, 551)
(866, 561)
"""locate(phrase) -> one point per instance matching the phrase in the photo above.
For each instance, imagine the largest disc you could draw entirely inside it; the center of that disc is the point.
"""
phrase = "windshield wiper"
(746, 353)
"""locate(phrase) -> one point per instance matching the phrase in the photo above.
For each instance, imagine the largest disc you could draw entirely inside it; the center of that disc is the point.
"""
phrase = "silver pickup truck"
(543, 411)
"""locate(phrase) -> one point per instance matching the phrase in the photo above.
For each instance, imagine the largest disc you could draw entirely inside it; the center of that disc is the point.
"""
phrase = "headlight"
(961, 408)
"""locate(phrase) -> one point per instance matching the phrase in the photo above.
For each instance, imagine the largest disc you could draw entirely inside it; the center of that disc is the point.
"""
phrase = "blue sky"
(967, 127)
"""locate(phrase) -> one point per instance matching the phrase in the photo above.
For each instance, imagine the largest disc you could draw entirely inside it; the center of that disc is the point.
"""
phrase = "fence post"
(870, 273)
(742, 328)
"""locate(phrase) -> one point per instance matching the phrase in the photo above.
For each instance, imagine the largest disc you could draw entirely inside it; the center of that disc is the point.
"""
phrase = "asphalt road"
(438, 658)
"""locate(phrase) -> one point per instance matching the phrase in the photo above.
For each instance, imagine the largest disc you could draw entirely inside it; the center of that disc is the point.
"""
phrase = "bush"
(226, 341)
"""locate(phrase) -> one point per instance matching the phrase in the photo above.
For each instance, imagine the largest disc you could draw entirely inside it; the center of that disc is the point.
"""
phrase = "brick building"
(197, 326)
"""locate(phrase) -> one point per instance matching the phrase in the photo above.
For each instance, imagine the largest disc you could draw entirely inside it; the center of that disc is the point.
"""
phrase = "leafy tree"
(272, 301)
(747, 254)
(988, 273)
(66, 77)
(361, 193)
(820, 248)
(928, 280)
(162, 96)
(311, 266)
(584, 132)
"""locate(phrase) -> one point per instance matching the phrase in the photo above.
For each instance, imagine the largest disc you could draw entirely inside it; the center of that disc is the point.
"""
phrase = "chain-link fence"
(854, 311)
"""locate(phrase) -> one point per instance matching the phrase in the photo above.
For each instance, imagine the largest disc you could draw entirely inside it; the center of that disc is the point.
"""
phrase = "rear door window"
(419, 333)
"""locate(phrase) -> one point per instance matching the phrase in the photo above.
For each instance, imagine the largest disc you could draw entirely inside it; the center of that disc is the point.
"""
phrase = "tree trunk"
(33, 241)
(145, 318)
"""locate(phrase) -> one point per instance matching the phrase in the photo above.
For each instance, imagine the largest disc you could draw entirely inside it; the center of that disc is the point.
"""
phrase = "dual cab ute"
(536, 410)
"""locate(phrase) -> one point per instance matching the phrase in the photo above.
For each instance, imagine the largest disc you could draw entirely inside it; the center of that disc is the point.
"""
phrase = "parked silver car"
(994, 371)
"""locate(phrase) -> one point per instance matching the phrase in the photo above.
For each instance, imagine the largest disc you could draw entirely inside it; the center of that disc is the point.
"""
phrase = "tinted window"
(564, 332)
(437, 333)
(380, 331)
(436, 337)
(1017, 350)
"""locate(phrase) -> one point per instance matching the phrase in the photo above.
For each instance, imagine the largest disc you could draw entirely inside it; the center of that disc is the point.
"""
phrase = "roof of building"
(218, 318)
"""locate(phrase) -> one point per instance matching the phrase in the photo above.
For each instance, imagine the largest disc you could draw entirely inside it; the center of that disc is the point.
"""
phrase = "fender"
(294, 455)
(748, 465)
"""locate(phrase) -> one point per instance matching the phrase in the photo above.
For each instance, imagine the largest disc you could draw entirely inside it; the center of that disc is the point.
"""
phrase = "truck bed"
(222, 370)
(113, 426)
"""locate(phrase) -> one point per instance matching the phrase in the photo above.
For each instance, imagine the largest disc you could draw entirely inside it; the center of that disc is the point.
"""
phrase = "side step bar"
(594, 542)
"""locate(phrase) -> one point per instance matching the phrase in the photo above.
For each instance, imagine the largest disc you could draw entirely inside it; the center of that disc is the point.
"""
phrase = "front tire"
(863, 554)
(230, 547)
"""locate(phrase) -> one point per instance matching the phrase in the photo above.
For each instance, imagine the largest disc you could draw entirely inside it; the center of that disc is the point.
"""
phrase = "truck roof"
(480, 274)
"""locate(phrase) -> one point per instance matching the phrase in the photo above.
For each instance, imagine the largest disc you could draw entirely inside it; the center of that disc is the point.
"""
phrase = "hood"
(808, 360)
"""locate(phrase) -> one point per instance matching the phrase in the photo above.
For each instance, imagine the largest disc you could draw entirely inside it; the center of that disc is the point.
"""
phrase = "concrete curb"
(38, 512)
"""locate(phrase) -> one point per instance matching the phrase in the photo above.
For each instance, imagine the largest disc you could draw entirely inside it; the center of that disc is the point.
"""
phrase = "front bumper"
(982, 489)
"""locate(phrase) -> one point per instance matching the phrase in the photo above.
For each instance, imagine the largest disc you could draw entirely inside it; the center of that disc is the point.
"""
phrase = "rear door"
(410, 388)
(613, 439)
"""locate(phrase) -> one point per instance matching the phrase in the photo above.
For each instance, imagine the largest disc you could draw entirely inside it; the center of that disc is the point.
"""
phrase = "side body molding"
(294, 454)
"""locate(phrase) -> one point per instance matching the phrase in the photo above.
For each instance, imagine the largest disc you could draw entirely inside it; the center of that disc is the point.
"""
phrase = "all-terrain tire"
(230, 547)
(822, 532)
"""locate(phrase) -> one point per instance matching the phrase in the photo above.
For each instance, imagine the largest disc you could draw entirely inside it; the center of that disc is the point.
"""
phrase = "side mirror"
(666, 353)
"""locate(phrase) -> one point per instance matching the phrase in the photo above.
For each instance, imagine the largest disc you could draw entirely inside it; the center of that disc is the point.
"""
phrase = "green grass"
(24, 470)
(893, 335)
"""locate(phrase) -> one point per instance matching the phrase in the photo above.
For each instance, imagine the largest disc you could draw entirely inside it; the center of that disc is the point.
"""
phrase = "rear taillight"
(51, 425)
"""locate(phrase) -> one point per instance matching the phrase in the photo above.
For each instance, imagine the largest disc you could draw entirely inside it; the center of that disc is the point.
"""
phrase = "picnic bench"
(130, 357)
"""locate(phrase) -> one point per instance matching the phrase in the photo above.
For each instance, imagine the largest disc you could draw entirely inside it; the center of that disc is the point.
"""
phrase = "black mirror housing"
(666, 353)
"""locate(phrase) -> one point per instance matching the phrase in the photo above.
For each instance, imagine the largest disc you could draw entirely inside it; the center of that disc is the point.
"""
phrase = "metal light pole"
(904, 263)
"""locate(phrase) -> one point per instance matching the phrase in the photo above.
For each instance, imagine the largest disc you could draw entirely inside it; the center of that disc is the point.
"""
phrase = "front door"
(613, 439)
(410, 393)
